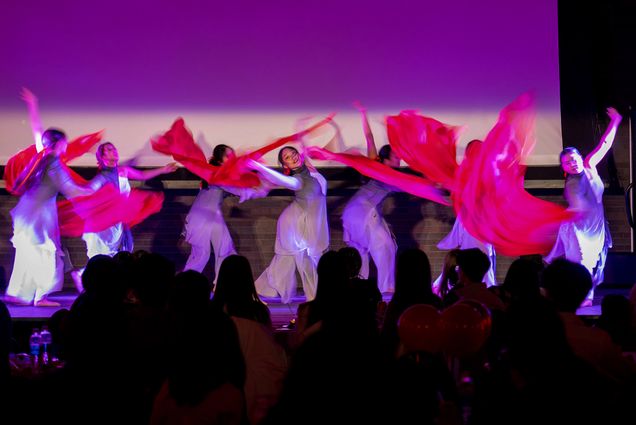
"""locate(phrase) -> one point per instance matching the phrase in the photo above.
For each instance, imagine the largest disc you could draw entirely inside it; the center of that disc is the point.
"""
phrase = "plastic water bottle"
(34, 344)
(45, 341)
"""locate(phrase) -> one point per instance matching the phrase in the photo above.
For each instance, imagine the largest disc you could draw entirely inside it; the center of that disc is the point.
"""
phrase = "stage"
(281, 313)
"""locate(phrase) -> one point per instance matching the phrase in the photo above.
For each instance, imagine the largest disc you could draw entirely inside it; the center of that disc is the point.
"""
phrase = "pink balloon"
(419, 328)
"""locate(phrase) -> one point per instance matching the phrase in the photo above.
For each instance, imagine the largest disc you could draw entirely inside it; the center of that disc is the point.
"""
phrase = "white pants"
(200, 255)
(382, 250)
(36, 272)
(212, 232)
(280, 276)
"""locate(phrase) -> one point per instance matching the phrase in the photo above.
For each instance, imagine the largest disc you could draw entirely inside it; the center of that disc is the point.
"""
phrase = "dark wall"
(597, 60)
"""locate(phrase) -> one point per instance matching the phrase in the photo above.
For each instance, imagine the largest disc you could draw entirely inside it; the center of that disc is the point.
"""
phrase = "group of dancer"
(578, 233)
(38, 268)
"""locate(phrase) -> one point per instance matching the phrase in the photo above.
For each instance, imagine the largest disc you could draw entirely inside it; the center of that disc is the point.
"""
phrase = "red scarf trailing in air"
(427, 145)
(105, 208)
(490, 197)
(24, 166)
(412, 184)
(179, 143)
(92, 213)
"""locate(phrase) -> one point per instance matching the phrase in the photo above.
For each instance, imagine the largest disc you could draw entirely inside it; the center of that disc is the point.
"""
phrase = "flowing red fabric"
(80, 145)
(257, 154)
(105, 208)
(22, 166)
(179, 143)
(92, 213)
(490, 197)
(414, 185)
(427, 145)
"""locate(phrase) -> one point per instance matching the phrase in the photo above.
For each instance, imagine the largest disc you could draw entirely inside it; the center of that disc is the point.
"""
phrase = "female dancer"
(586, 239)
(118, 237)
(364, 228)
(36, 235)
(205, 225)
(302, 232)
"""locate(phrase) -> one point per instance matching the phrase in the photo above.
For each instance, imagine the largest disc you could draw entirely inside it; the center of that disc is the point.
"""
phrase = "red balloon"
(419, 328)
(464, 330)
(483, 311)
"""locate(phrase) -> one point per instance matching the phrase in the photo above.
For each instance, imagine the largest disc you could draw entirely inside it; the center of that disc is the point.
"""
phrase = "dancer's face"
(227, 154)
(110, 156)
(291, 158)
(60, 147)
(393, 160)
(572, 163)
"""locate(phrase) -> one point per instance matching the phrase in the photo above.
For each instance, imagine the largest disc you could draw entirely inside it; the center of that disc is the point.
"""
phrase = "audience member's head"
(152, 279)
(473, 265)
(126, 266)
(412, 275)
(352, 259)
(235, 292)
(333, 290)
(190, 291)
(235, 283)
(332, 276)
(523, 279)
(566, 284)
(102, 281)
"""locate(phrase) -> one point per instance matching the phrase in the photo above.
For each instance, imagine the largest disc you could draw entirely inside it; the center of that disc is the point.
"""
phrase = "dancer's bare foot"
(587, 303)
(45, 302)
(9, 299)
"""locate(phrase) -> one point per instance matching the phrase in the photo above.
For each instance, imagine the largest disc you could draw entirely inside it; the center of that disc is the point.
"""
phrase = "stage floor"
(281, 313)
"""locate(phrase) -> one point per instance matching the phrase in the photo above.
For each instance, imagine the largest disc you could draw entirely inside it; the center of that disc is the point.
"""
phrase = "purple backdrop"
(278, 55)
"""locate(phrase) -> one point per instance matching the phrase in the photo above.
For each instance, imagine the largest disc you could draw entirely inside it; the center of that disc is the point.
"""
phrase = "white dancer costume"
(117, 237)
(365, 229)
(459, 238)
(302, 235)
(205, 225)
(586, 239)
(36, 234)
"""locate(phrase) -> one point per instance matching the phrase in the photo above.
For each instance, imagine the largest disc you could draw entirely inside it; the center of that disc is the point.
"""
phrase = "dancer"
(117, 237)
(586, 238)
(205, 225)
(364, 228)
(302, 232)
(36, 235)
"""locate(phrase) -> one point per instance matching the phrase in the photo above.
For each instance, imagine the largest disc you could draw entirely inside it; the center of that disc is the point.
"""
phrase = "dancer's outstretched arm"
(274, 176)
(135, 174)
(34, 116)
(607, 139)
(372, 151)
